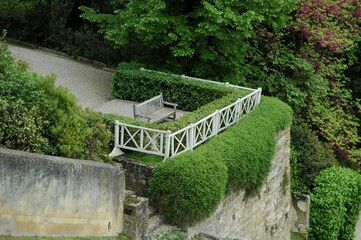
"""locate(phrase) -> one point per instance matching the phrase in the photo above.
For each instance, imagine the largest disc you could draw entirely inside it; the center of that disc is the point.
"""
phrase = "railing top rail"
(226, 84)
(182, 130)
(206, 118)
(140, 127)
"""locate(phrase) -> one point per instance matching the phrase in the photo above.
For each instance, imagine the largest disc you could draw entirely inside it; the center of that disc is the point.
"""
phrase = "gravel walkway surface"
(91, 84)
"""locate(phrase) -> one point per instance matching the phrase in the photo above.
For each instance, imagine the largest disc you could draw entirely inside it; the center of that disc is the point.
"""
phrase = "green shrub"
(246, 150)
(21, 128)
(335, 204)
(74, 132)
(309, 157)
(130, 83)
(46, 117)
(188, 187)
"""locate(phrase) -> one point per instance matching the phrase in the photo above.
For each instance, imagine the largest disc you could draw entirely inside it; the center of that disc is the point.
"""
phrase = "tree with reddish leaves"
(330, 24)
(305, 63)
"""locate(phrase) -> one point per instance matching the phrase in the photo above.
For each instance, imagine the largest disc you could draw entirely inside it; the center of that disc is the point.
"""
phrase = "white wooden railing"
(168, 144)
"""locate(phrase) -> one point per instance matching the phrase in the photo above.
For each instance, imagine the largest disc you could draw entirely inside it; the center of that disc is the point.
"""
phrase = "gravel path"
(91, 84)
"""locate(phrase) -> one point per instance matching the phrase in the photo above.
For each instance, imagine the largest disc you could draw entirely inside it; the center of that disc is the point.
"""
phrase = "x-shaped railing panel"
(167, 144)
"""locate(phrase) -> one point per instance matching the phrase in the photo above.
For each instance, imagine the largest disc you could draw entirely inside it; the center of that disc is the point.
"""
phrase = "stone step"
(155, 222)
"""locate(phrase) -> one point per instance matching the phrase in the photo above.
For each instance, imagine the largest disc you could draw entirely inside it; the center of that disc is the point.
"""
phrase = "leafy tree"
(300, 60)
(305, 63)
(201, 38)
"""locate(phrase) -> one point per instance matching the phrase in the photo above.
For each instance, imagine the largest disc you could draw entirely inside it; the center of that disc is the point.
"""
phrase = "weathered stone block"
(52, 196)
(137, 175)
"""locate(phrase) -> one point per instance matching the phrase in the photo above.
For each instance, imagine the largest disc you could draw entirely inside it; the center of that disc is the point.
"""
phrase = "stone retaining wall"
(264, 216)
(52, 196)
(137, 175)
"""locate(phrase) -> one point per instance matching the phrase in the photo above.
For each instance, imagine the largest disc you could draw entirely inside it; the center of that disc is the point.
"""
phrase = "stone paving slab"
(117, 106)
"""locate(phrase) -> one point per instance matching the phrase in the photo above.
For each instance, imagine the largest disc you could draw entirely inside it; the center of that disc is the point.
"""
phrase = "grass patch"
(143, 157)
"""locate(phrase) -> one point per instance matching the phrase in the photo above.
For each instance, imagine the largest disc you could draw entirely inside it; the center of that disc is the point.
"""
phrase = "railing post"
(238, 109)
(216, 122)
(167, 151)
(116, 133)
(116, 150)
(191, 136)
(259, 92)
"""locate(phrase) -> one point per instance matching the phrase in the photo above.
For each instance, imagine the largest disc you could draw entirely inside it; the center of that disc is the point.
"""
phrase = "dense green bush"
(246, 150)
(309, 157)
(187, 188)
(130, 83)
(46, 117)
(21, 127)
(335, 204)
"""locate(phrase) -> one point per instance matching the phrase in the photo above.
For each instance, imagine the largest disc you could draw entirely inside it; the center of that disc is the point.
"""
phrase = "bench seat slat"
(160, 114)
(154, 109)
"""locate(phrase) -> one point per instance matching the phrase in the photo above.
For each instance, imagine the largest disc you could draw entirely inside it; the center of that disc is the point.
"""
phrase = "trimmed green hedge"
(335, 204)
(246, 150)
(130, 83)
(188, 188)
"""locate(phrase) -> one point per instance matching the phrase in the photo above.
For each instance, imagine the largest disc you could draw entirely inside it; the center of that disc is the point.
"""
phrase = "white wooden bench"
(154, 110)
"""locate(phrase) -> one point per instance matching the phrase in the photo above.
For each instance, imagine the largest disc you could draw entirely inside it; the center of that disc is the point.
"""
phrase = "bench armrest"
(174, 105)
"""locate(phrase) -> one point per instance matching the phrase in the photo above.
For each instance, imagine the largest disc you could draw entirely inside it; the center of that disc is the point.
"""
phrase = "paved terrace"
(91, 84)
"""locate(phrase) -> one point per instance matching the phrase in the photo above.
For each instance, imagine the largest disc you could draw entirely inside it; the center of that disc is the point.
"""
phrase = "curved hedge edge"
(335, 204)
(246, 149)
(188, 188)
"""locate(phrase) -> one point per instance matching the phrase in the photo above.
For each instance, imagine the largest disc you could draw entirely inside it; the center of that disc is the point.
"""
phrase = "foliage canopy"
(206, 38)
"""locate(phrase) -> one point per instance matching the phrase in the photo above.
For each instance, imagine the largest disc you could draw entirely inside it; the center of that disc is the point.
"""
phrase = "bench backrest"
(149, 106)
